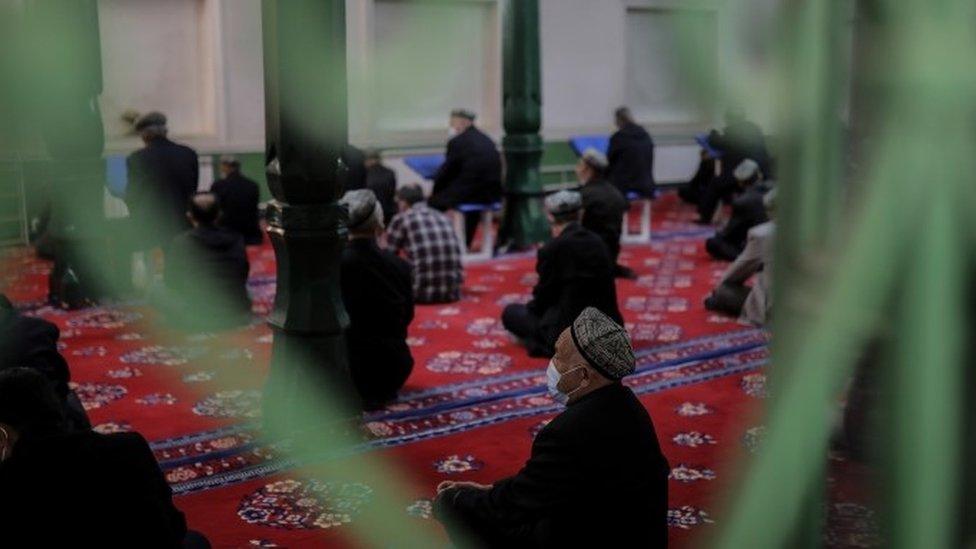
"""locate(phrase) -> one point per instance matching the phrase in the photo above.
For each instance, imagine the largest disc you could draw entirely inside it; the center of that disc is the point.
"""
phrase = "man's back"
(238, 197)
(60, 490)
(162, 177)
(575, 272)
(208, 267)
(631, 157)
(376, 290)
(472, 169)
(432, 247)
(603, 208)
(382, 181)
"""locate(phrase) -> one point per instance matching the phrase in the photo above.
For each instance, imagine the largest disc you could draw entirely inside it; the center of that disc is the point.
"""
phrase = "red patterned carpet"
(469, 410)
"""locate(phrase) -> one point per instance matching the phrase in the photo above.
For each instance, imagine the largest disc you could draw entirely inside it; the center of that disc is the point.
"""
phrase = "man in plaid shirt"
(428, 240)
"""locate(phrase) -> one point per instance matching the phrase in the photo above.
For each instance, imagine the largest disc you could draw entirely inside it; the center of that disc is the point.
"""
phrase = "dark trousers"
(728, 298)
(718, 189)
(691, 192)
(525, 325)
(722, 249)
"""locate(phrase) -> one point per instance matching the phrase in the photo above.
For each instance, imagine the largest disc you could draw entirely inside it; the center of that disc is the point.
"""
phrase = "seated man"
(58, 487)
(732, 296)
(471, 173)
(206, 273)
(31, 342)
(739, 140)
(747, 212)
(596, 476)
(378, 296)
(427, 239)
(631, 156)
(382, 181)
(575, 272)
(238, 197)
(603, 206)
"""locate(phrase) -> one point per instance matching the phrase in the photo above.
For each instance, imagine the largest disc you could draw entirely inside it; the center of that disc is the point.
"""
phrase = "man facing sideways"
(382, 181)
(238, 197)
(162, 176)
(575, 272)
(427, 239)
(378, 295)
(631, 156)
(596, 476)
(603, 206)
(471, 173)
(747, 212)
(206, 272)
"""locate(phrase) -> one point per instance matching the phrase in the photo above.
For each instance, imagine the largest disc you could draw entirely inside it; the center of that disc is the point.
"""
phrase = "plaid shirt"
(427, 237)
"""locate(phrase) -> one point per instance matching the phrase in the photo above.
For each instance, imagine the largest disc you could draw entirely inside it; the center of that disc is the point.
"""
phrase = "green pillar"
(64, 72)
(306, 129)
(525, 220)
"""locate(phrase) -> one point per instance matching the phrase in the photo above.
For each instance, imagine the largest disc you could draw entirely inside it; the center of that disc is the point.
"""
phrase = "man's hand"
(448, 484)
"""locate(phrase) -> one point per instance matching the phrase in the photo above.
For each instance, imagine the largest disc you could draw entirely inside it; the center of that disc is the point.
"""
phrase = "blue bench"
(426, 165)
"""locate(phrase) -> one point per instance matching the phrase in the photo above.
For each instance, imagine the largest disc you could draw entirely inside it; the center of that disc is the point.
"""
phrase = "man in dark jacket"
(471, 173)
(575, 272)
(378, 294)
(747, 212)
(741, 139)
(238, 198)
(206, 272)
(162, 177)
(382, 181)
(596, 476)
(603, 206)
(631, 156)
(58, 487)
(30, 342)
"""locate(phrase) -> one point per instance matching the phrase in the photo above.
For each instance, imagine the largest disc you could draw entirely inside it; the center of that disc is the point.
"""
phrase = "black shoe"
(619, 271)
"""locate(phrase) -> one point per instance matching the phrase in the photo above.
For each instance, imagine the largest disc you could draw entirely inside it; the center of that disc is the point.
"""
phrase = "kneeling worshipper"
(575, 272)
(378, 295)
(603, 206)
(596, 476)
(78, 489)
(31, 342)
(205, 273)
(747, 212)
(732, 296)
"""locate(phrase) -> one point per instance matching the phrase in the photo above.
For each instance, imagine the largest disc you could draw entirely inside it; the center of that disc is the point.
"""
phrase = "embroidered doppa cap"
(747, 169)
(595, 159)
(563, 202)
(362, 207)
(603, 343)
(464, 113)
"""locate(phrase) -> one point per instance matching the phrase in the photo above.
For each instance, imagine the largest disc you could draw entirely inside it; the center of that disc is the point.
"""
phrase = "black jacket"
(382, 181)
(207, 268)
(377, 291)
(738, 141)
(239, 197)
(596, 478)
(162, 177)
(87, 490)
(471, 173)
(575, 272)
(747, 212)
(603, 213)
(631, 157)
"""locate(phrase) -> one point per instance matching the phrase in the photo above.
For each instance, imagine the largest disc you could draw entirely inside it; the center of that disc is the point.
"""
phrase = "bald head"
(203, 209)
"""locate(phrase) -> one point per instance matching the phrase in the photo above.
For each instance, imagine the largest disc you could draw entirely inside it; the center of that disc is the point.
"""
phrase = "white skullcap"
(747, 169)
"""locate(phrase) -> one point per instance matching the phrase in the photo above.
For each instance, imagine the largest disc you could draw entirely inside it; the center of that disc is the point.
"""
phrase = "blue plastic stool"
(487, 235)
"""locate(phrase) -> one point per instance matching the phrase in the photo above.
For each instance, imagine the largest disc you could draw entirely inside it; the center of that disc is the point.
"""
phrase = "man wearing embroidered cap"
(377, 292)
(603, 205)
(747, 212)
(596, 476)
(575, 272)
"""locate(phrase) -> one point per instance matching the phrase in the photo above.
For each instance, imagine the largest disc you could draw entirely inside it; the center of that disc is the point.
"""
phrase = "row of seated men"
(599, 459)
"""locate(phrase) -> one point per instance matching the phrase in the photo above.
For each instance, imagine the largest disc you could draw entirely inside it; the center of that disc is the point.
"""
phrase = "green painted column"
(525, 221)
(306, 129)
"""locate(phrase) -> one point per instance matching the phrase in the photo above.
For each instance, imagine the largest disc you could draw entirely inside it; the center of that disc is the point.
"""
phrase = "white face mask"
(552, 382)
(452, 131)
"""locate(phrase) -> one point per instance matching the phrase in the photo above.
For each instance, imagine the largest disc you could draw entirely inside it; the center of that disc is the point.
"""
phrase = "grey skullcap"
(595, 159)
(769, 200)
(362, 206)
(464, 113)
(230, 160)
(563, 202)
(603, 343)
(154, 119)
(746, 170)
